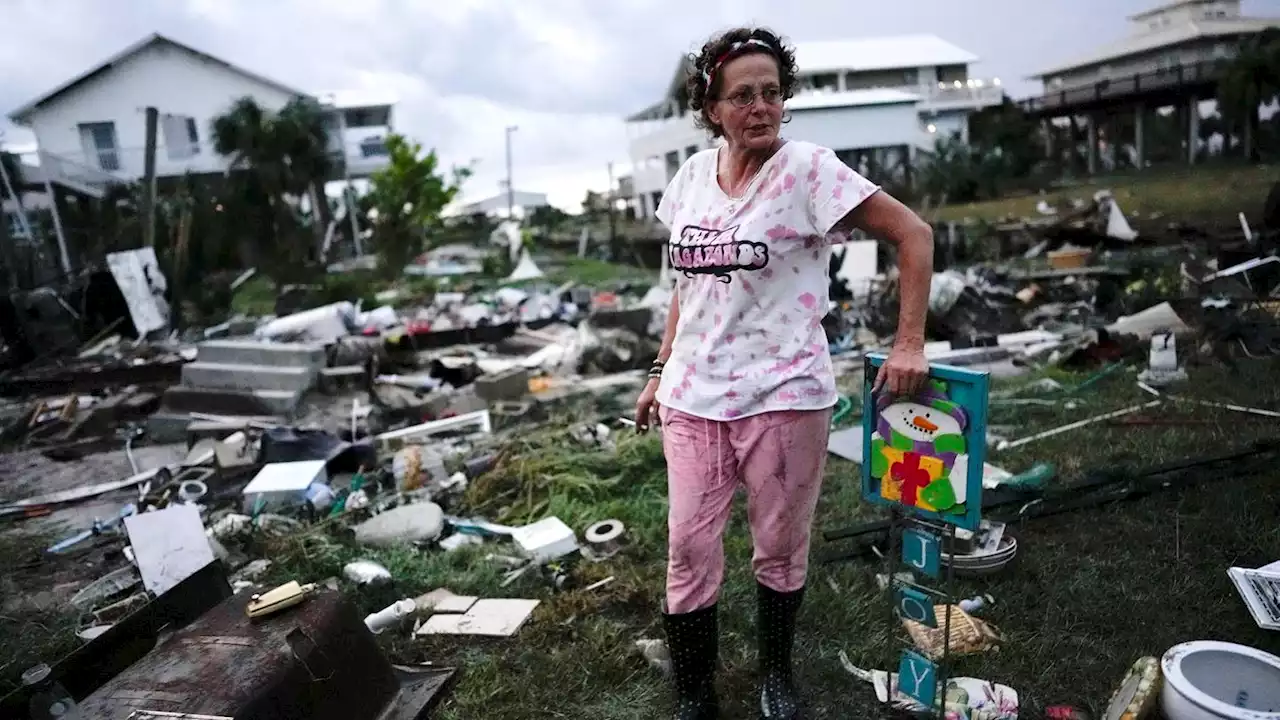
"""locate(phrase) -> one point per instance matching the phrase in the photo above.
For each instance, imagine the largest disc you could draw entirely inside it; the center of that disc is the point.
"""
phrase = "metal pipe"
(46, 170)
(511, 187)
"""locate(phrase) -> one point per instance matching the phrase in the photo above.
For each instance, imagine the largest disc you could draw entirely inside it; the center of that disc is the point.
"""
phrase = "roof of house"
(520, 198)
(871, 53)
(20, 115)
(879, 53)
(1165, 37)
(352, 99)
(1168, 6)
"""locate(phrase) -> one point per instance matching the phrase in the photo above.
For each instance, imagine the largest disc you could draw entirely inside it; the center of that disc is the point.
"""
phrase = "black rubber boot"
(693, 640)
(777, 632)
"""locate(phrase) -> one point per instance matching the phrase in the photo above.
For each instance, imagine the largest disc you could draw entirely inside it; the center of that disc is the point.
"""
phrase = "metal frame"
(942, 528)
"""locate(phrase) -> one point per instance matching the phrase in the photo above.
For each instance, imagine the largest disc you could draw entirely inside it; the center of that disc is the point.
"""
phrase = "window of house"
(15, 225)
(826, 82)
(691, 151)
(374, 147)
(951, 74)
(673, 164)
(366, 117)
(181, 136)
(100, 145)
(881, 79)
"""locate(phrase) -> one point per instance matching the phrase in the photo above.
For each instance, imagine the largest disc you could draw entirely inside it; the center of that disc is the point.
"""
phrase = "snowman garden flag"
(925, 454)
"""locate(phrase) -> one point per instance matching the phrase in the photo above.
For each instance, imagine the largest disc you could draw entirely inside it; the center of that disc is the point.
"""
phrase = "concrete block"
(509, 385)
(254, 352)
(227, 376)
(164, 427)
(465, 401)
(508, 413)
(635, 319)
(213, 401)
(199, 430)
(337, 380)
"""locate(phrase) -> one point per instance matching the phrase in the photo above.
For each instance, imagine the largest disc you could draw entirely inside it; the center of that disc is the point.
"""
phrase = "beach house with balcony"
(1171, 58)
(875, 101)
(91, 130)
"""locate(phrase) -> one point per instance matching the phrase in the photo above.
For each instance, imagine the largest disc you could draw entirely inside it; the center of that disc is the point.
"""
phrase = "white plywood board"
(137, 273)
(169, 546)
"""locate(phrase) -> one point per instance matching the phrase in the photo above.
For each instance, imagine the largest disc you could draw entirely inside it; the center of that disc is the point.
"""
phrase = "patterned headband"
(731, 52)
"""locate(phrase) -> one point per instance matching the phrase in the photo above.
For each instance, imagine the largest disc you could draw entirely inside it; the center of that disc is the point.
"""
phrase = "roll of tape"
(605, 538)
(192, 491)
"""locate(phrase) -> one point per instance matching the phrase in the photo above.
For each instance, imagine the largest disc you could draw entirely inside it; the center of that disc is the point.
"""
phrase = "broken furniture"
(315, 661)
(94, 663)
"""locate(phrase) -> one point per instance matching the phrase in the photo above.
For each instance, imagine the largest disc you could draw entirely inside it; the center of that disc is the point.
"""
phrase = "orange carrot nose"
(920, 422)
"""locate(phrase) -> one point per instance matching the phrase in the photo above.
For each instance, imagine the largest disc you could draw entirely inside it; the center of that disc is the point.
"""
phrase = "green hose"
(844, 408)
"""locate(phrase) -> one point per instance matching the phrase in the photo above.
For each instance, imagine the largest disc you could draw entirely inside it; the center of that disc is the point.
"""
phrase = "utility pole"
(149, 181)
(511, 188)
(613, 222)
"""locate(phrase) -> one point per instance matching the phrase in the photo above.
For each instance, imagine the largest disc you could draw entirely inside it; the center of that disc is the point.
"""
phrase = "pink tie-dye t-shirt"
(752, 278)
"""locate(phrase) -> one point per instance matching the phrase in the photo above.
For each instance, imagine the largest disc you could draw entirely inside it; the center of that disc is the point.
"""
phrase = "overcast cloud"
(564, 71)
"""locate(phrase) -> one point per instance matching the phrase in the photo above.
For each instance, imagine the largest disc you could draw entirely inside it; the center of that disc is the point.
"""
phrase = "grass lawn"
(1090, 593)
(257, 296)
(1206, 194)
(563, 268)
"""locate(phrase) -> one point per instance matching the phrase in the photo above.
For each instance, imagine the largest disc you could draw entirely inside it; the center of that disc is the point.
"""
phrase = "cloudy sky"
(564, 71)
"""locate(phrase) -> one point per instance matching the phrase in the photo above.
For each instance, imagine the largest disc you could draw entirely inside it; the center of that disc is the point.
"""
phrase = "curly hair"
(719, 49)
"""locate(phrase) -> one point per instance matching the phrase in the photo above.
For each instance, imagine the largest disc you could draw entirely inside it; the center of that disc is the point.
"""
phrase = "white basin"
(1207, 680)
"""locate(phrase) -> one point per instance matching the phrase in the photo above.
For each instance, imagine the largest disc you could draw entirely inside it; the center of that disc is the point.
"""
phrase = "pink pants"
(779, 457)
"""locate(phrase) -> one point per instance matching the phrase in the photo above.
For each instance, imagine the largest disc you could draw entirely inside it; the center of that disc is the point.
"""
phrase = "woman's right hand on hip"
(647, 406)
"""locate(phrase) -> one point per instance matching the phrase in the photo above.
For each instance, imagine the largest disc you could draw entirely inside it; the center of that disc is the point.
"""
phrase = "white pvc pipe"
(390, 616)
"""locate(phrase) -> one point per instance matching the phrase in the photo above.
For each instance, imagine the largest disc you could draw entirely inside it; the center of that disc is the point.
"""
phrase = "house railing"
(966, 94)
(1172, 78)
(73, 173)
(974, 91)
(92, 171)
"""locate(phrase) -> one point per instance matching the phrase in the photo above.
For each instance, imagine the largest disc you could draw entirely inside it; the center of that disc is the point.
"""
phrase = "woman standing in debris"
(743, 384)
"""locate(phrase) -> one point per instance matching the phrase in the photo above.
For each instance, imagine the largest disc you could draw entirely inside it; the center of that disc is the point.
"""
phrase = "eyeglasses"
(746, 96)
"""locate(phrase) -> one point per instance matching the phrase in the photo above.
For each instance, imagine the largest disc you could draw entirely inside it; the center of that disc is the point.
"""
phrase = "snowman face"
(922, 423)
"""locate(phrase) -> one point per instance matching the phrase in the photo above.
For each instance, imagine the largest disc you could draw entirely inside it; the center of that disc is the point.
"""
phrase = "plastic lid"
(36, 674)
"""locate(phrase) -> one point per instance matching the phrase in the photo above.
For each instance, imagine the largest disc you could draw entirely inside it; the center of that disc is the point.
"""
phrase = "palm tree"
(276, 159)
(1251, 79)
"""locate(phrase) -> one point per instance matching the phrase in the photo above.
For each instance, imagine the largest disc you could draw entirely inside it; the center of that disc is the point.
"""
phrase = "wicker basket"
(968, 634)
